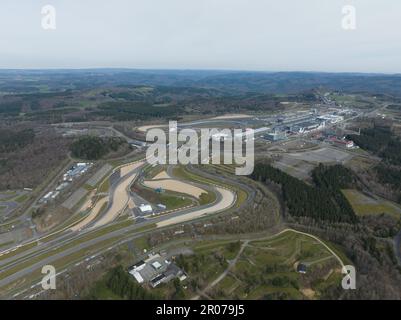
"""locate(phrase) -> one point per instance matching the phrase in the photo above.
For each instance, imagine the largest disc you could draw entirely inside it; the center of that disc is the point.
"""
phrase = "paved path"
(231, 264)
(245, 244)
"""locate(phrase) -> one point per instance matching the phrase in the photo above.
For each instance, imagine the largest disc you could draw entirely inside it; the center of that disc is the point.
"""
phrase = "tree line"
(136, 111)
(11, 140)
(324, 201)
(94, 148)
(121, 284)
(381, 141)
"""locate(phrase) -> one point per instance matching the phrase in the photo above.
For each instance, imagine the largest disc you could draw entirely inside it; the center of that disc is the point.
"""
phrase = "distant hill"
(229, 82)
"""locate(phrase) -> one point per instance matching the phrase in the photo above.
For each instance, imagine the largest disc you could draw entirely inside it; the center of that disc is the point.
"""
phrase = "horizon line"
(196, 70)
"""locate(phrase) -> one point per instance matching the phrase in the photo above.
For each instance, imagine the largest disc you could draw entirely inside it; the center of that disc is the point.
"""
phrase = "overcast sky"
(280, 35)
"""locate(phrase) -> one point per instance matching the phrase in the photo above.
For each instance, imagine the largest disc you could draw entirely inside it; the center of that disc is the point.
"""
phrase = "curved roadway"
(66, 238)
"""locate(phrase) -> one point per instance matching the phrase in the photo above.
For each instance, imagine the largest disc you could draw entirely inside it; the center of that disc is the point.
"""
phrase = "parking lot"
(323, 155)
(301, 164)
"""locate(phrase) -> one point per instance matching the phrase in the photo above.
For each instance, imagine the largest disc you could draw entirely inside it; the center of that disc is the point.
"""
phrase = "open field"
(11, 200)
(364, 204)
(171, 200)
(263, 268)
(301, 164)
(295, 167)
(99, 175)
(361, 163)
(323, 155)
(75, 198)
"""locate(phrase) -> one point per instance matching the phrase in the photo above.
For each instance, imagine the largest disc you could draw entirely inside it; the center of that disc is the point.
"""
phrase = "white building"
(137, 276)
(145, 208)
(156, 265)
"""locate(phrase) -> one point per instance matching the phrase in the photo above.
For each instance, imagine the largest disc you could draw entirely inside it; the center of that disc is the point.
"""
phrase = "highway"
(61, 244)
(68, 237)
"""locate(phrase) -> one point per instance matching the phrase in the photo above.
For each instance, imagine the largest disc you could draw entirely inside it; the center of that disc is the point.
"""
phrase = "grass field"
(105, 186)
(266, 269)
(22, 198)
(170, 199)
(365, 205)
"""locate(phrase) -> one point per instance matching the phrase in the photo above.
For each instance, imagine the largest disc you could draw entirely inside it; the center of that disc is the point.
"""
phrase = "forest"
(389, 175)
(324, 201)
(10, 108)
(28, 155)
(11, 140)
(121, 285)
(381, 141)
(94, 148)
(135, 111)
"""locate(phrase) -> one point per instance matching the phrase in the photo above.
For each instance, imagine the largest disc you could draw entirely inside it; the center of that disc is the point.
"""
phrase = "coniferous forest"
(323, 201)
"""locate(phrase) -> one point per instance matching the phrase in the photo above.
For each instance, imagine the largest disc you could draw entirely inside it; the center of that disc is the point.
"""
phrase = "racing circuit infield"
(24, 263)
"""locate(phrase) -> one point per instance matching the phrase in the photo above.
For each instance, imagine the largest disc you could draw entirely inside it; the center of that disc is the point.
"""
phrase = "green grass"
(10, 192)
(22, 198)
(6, 243)
(227, 284)
(104, 293)
(145, 228)
(77, 255)
(88, 187)
(153, 171)
(59, 263)
(206, 198)
(364, 205)
(104, 187)
(19, 250)
(141, 243)
(266, 267)
(41, 257)
(172, 200)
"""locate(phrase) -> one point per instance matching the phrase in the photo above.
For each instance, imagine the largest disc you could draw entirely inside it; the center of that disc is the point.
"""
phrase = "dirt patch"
(88, 202)
(51, 219)
(92, 215)
(131, 204)
(308, 292)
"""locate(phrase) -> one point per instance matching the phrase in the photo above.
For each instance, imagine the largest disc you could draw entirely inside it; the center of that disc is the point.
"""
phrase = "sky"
(263, 35)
